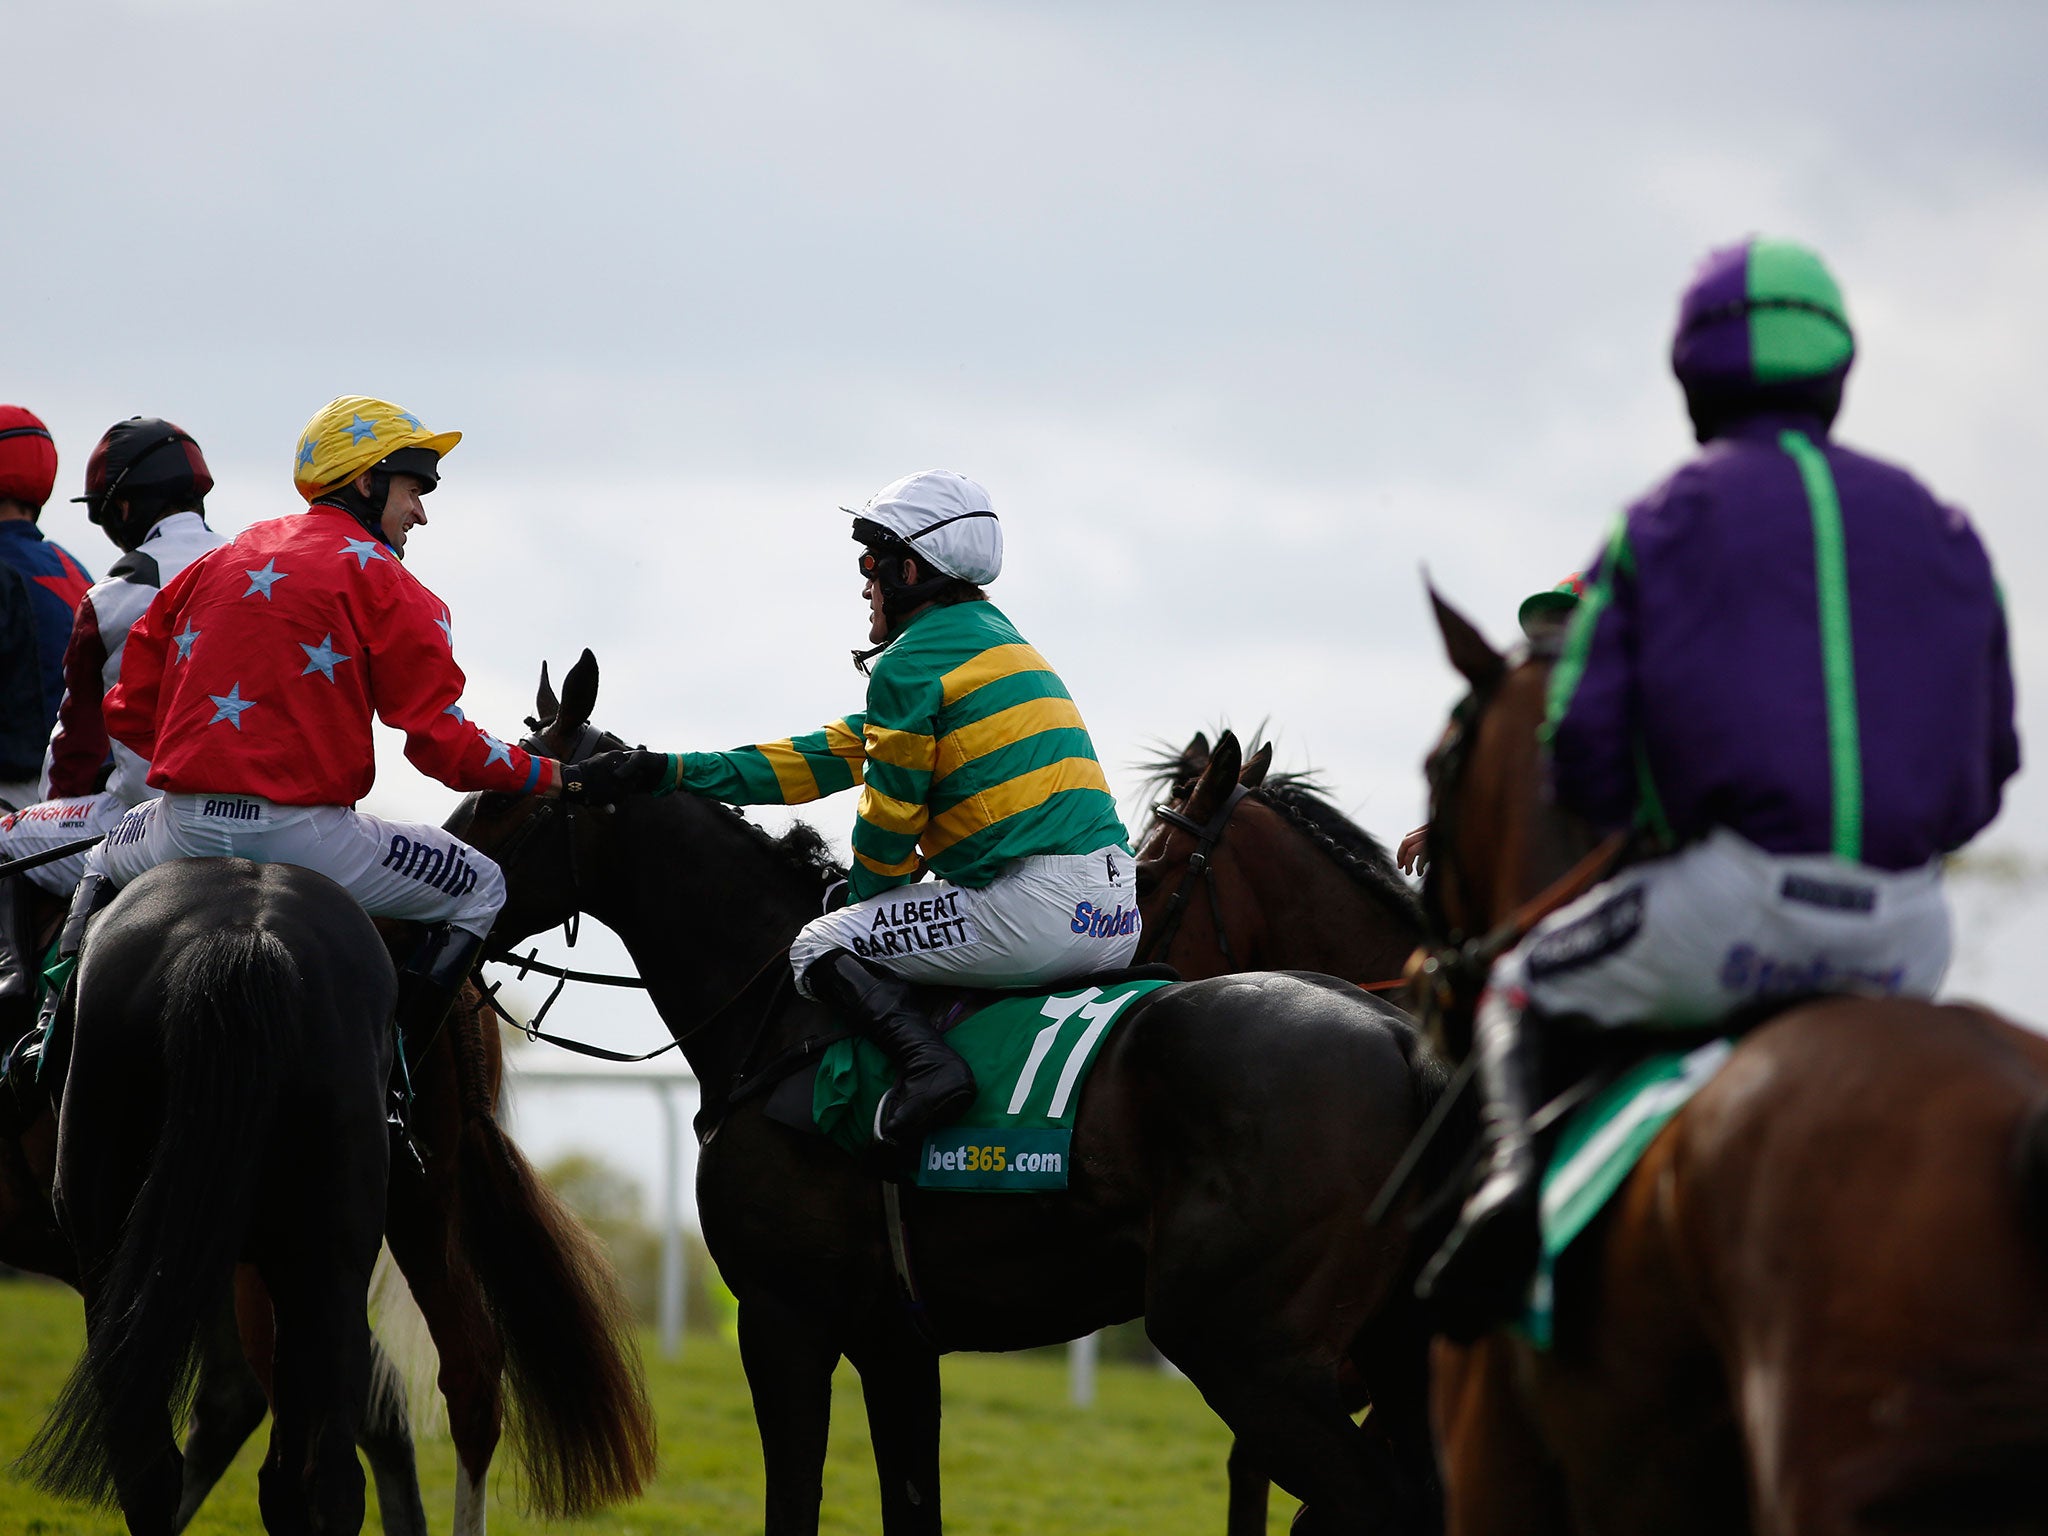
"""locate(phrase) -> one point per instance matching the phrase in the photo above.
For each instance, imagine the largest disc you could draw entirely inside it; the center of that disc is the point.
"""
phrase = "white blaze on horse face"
(469, 1503)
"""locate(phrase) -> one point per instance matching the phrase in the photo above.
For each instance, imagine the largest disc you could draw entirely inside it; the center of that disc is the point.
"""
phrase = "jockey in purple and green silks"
(974, 765)
(1790, 673)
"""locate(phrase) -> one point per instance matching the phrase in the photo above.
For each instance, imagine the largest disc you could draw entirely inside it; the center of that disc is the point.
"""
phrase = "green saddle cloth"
(1030, 1057)
(1599, 1147)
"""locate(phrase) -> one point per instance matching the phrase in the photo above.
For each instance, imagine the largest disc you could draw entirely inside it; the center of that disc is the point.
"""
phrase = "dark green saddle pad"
(1030, 1055)
(1598, 1148)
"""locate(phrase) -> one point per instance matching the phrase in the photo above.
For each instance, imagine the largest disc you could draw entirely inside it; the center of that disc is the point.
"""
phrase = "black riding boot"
(428, 982)
(17, 963)
(933, 1084)
(27, 1083)
(1479, 1278)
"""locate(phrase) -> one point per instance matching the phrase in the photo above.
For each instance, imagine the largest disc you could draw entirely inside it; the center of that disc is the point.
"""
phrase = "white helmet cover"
(945, 517)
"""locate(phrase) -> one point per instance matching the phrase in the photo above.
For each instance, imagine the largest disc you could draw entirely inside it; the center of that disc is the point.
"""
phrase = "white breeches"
(53, 823)
(1720, 924)
(394, 868)
(1042, 920)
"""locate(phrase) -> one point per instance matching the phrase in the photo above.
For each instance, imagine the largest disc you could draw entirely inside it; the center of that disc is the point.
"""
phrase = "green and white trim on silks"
(1599, 1148)
(1030, 1057)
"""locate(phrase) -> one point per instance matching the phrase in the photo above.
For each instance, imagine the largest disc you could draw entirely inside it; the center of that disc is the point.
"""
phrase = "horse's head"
(1204, 787)
(1495, 838)
(545, 848)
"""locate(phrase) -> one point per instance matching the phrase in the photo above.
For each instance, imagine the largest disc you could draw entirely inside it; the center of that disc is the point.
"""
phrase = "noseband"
(1200, 865)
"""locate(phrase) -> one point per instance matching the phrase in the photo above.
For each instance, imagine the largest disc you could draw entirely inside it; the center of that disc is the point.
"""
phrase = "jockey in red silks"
(145, 486)
(250, 683)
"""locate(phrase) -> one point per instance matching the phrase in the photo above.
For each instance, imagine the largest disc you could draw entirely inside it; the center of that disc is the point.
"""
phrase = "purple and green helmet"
(1760, 313)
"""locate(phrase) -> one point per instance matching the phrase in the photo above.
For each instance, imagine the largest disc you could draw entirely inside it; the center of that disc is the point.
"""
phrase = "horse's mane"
(1301, 797)
(802, 850)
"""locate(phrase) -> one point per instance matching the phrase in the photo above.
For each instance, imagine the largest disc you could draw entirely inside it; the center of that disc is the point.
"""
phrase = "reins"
(589, 739)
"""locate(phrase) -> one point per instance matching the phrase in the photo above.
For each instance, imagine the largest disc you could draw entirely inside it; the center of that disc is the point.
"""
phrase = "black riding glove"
(610, 776)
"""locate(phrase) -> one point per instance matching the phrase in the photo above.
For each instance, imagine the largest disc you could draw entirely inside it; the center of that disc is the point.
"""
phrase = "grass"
(1148, 1457)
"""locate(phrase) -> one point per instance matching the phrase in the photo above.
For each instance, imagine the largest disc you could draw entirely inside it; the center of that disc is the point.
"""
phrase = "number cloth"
(1030, 1056)
(1598, 1149)
(970, 752)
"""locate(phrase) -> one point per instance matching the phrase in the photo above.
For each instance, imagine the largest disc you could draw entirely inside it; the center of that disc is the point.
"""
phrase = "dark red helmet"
(28, 457)
(145, 457)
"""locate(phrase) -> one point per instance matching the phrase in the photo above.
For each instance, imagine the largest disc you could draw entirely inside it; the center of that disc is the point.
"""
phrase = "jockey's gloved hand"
(610, 776)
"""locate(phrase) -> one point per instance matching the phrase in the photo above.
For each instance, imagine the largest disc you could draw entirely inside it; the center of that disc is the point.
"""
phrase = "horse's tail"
(581, 1422)
(230, 998)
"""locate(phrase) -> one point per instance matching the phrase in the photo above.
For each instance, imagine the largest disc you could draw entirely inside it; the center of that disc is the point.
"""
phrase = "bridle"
(590, 741)
(1447, 978)
(1201, 866)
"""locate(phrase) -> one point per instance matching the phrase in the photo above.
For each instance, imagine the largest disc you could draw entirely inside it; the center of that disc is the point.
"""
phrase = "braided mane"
(1301, 799)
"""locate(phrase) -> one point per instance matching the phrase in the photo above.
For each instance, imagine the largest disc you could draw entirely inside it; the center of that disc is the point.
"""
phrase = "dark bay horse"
(1820, 1302)
(515, 1292)
(1231, 1136)
(1244, 869)
(224, 1098)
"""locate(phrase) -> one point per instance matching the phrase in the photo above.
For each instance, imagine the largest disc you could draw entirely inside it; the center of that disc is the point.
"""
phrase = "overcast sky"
(1243, 313)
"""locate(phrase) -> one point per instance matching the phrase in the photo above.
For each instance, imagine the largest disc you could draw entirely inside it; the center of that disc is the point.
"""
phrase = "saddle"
(791, 1081)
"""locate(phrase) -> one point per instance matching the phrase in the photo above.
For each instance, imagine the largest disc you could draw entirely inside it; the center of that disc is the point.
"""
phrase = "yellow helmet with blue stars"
(354, 433)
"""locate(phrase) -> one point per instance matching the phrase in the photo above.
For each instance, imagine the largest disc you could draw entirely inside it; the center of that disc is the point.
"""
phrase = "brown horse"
(1243, 869)
(1820, 1302)
(1272, 878)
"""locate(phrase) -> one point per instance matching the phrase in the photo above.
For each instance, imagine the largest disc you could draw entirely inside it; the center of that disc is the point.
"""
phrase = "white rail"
(672, 1086)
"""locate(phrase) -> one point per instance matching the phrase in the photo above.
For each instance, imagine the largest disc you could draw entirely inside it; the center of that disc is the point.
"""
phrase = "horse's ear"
(545, 705)
(1253, 774)
(1479, 663)
(579, 695)
(1194, 757)
(1216, 780)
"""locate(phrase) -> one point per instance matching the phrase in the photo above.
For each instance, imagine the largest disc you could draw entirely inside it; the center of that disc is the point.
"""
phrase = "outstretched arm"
(418, 688)
(792, 771)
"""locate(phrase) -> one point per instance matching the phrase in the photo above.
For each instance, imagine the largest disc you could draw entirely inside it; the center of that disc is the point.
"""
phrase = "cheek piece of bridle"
(1447, 979)
(1201, 866)
(590, 741)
